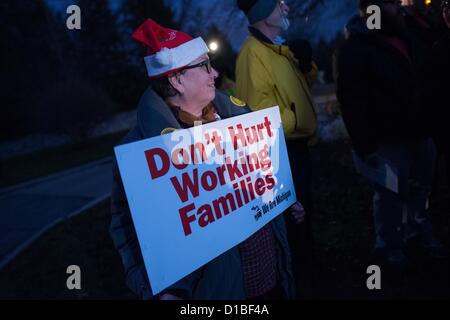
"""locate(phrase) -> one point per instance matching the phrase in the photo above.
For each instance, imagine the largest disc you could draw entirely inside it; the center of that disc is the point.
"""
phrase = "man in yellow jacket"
(267, 75)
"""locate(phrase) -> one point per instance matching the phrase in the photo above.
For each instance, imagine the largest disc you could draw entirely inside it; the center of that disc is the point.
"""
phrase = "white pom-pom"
(164, 57)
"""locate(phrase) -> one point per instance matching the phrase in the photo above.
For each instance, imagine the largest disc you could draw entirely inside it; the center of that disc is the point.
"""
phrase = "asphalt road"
(28, 210)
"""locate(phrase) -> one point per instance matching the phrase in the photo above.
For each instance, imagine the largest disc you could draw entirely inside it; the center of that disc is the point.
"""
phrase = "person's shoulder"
(229, 106)
(154, 116)
(253, 46)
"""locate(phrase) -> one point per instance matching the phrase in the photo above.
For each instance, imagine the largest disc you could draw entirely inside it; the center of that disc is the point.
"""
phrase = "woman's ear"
(175, 81)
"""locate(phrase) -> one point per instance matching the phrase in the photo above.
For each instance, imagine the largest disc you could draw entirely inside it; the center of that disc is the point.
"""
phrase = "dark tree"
(134, 12)
(28, 62)
(99, 45)
(131, 15)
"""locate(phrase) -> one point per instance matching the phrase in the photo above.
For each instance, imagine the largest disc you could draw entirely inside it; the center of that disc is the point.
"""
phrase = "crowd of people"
(382, 88)
(391, 86)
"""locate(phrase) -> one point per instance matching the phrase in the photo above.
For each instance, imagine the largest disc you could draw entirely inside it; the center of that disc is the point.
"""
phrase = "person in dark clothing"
(380, 95)
(439, 72)
(302, 51)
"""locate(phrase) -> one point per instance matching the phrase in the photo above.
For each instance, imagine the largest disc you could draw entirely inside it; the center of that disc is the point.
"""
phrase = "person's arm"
(297, 212)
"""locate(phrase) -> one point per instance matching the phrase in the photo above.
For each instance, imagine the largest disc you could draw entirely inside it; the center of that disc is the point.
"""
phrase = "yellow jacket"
(267, 75)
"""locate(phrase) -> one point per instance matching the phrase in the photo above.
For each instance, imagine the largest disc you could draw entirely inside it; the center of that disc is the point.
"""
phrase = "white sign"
(195, 193)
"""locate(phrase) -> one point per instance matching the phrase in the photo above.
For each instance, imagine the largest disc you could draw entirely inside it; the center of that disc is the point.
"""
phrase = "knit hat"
(257, 10)
(168, 50)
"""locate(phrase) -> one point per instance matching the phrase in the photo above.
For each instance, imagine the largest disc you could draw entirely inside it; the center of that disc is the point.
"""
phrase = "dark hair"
(163, 87)
(246, 5)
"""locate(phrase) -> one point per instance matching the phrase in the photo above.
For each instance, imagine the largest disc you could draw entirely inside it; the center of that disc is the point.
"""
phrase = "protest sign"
(195, 193)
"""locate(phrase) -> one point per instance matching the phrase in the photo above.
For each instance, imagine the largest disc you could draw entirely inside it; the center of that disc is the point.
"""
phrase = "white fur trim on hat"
(171, 59)
(164, 57)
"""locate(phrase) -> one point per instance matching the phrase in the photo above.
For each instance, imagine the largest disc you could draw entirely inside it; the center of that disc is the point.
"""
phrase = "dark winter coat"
(379, 90)
(439, 90)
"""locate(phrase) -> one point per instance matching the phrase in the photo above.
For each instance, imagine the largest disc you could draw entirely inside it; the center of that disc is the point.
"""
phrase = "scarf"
(188, 120)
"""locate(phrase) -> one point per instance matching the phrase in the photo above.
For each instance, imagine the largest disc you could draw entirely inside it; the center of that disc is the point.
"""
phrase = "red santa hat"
(168, 50)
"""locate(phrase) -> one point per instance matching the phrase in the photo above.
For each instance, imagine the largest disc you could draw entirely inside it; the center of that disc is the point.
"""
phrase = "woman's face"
(198, 82)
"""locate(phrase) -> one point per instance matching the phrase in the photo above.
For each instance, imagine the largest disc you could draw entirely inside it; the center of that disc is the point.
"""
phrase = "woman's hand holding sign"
(298, 212)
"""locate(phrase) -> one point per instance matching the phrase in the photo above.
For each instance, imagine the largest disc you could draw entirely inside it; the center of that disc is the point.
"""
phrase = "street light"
(213, 46)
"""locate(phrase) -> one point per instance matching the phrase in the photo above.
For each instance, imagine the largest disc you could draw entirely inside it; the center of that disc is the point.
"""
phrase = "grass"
(40, 271)
(38, 164)
(344, 236)
(343, 230)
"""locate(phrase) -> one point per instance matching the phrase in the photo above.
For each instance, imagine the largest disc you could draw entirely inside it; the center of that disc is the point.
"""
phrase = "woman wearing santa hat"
(182, 91)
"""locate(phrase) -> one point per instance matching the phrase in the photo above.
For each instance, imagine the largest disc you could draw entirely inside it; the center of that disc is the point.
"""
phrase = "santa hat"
(168, 50)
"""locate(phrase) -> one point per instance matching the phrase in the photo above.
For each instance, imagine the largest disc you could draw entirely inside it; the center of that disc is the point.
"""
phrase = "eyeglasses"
(206, 63)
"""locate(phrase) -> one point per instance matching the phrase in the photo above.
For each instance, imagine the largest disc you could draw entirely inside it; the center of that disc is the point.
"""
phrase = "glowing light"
(213, 46)
(427, 2)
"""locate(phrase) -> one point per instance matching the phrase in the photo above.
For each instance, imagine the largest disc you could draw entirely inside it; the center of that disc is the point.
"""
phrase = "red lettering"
(260, 129)
(239, 135)
(252, 136)
(233, 169)
(260, 186)
(151, 161)
(250, 188)
(186, 220)
(264, 158)
(176, 158)
(201, 149)
(206, 215)
(244, 191)
(216, 139)
(270, 181)
(209, 186)
(220, 173)
(188, 184)
(224, 202)
(267, 124)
